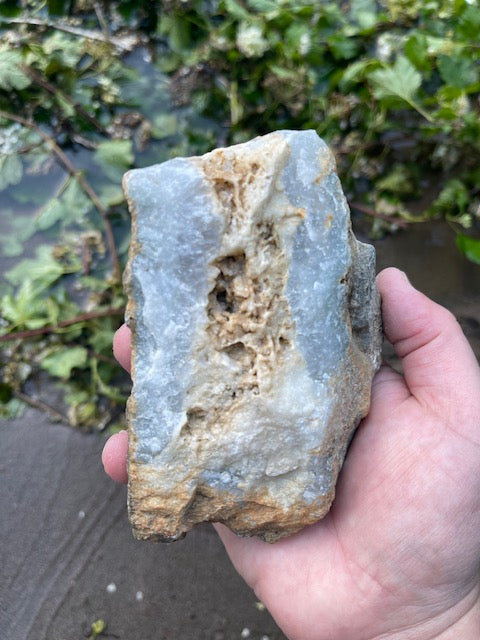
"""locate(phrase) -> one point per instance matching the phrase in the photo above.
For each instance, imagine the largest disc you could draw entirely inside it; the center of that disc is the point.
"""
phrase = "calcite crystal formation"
(256, 333)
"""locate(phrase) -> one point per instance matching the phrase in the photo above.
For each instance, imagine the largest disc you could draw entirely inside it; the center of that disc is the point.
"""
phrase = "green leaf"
(165, 125)
(398, 181)
(457, 71)
(70, 207)
(399, 80)
(97, 628)
(453, 198)
(236, 10)
(470, 247)
(11, 409)
(10, 247)
(11, 74)
(179, 34)
(20, 228)
(104, 388)
(342, 48)
(62, 49)
(469, 23)
(355, 73)
(115, 157)
(67, 108)
(11, 170)
(61, 360)
(416, 50)
(364, 12)
(5, 393)
(111, 195)
(264, 6)
(43, 270)
(24, 309)
(10, 8)
(403, 8)
(57, 7)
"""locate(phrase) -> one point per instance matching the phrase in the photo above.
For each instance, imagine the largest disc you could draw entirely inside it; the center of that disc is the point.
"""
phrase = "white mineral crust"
(256, 333)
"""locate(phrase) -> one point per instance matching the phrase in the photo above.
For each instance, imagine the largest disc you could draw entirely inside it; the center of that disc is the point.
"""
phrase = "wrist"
(461, 622)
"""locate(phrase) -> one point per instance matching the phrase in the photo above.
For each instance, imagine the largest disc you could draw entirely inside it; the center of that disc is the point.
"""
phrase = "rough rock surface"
(256, 333)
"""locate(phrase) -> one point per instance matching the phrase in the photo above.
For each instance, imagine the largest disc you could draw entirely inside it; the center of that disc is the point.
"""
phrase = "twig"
(83, 317)
(403, 224)
(101, 358)
(85, 142)
(37, 79)
(43, 406)
(27, 148)
(101, 19)
(126, 43)
(88, 189)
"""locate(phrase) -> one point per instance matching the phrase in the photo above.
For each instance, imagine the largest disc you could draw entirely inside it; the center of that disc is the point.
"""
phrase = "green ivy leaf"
(20, 228)
(43, 270)
(11, 409)
(342, 48)
(470, 247)
(355, 73)
(398, 181)
(453, 198)
(165, 125)
(61, 360)
(11, 74)
(72, 206)
(236, 10)
(457, 71)
(416, 50)
(364, 12)
(62, 49)
(469, 23)
(267, 7)
(24, 309)
(400, 80)
(115, 157)
(11, 170)
(111, 195)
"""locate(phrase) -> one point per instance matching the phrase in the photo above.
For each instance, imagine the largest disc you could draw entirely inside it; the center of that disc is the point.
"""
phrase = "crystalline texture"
(256, 333)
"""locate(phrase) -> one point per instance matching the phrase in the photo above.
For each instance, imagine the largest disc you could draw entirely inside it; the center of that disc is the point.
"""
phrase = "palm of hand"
(400, 547)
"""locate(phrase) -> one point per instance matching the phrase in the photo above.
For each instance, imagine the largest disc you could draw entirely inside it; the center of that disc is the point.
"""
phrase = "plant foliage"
(90, 89)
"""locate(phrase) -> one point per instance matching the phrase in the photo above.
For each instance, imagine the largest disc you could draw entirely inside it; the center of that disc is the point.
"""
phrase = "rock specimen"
(256, 333)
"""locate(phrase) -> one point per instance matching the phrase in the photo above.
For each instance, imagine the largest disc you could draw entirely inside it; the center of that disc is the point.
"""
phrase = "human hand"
(398, 555)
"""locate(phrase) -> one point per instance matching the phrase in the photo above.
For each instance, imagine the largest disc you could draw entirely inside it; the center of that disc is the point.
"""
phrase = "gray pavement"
(68, 558)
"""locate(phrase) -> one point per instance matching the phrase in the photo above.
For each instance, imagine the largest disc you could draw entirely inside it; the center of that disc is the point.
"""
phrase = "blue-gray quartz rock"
(256, 333)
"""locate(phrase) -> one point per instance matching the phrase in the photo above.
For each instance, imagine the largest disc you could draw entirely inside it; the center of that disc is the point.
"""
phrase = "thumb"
(439, 365)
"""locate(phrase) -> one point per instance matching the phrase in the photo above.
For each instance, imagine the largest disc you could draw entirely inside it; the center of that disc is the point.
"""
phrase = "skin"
(398, 556)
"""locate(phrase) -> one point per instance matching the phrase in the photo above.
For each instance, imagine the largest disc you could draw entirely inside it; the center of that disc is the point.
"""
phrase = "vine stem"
(83, 317)
(125, 44)
(86, 186)
(403, 224)
(42, 406)
(42, 82)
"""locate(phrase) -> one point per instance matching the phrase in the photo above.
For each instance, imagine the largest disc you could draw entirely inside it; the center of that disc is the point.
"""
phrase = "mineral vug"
(256, 333)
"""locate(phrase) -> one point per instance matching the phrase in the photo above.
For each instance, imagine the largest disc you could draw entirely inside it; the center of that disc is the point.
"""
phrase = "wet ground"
(67, 557)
